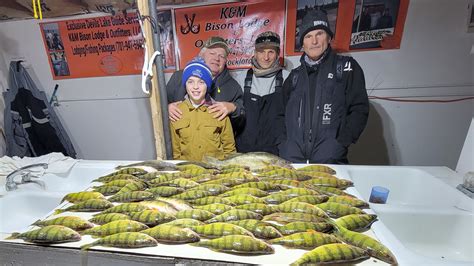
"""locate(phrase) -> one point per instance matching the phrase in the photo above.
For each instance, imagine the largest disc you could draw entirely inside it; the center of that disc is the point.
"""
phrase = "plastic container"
(379, 195)
(468, 181)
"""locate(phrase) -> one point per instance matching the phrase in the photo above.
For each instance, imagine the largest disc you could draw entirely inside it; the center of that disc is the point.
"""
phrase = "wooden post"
(155, 106)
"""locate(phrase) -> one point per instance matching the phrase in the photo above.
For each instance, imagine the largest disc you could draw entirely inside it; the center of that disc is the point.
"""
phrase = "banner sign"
(239, 23)
(95, 47)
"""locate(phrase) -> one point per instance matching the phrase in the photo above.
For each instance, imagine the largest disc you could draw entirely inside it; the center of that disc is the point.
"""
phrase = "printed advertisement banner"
(95, 47)
(238, 23)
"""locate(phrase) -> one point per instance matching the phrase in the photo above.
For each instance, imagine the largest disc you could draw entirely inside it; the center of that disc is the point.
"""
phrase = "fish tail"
(87, 246)
(335, 226)
(13, 236)
(196, 244)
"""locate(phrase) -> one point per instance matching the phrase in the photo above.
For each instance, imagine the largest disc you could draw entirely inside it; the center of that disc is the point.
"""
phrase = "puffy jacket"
(224, 89)
(339, 115)
(197, 134)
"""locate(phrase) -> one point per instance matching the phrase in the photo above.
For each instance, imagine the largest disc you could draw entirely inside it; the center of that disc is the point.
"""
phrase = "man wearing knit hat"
(197, 133)
(263, 98)
(225, 90)
(326, 100)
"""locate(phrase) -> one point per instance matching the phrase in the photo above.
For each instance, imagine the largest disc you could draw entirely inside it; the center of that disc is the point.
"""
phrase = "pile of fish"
(243, 205)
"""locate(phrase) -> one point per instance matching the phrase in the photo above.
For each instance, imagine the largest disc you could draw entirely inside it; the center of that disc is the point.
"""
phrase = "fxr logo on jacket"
(327, 114)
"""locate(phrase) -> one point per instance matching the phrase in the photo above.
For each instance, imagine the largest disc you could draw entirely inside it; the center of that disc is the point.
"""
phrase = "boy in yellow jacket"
(197, 133)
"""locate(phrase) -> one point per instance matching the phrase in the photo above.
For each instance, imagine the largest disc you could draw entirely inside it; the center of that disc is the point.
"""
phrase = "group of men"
(311, 116)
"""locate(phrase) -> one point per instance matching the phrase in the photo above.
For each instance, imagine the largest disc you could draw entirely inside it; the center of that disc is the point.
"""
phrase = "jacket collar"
(207, 102)
(325, 57)
(221, 79)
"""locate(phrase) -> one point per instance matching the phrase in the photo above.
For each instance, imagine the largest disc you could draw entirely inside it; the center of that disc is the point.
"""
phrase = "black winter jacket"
(224, 89)
(339, 115)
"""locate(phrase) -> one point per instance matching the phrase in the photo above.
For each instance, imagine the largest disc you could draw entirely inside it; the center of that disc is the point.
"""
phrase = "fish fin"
(232, 155)
(37, 222)
(334, 225)
(118, 167)
(13, 236)
(58, 211)
(211, 160)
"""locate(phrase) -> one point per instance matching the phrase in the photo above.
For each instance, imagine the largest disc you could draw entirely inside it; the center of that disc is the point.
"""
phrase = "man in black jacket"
(327, 105)
(225, 90)
(263, 99)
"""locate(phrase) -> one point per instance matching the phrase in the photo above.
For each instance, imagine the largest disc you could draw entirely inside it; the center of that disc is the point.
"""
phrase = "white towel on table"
(57, 164)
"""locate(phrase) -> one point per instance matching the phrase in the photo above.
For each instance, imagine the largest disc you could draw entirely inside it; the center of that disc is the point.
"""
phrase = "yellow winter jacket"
(197, 134)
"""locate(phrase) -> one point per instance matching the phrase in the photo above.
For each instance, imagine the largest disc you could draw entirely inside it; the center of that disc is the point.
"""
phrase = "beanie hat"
(197, 68)
(268, 39)
(313, 20)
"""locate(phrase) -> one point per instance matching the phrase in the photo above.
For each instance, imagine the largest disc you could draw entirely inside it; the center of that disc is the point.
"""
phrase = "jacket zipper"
(299, 114)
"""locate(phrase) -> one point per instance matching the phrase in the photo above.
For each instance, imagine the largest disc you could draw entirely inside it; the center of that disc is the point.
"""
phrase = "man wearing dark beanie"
(326, 101)
(263, 98)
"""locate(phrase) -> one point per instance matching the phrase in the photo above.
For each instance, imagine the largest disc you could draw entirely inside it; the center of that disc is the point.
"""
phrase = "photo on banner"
(238, 23)
(165, 24)
(298, 9)
(306, 6)
(55, 48)
(378, 24)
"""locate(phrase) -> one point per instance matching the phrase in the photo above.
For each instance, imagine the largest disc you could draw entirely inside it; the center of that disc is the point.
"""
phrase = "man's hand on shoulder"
(221, 109)
(174, 113)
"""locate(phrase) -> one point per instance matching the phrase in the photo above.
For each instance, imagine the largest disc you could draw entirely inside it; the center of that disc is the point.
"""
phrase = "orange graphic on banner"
(238, 23)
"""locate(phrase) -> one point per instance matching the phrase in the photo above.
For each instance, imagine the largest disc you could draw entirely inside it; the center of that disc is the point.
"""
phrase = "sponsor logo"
(327, 114)
(347, 66)
(190, 27)
(319, 22)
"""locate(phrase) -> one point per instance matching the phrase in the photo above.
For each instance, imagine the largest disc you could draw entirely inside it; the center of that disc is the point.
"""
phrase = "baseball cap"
(216, 41)
(268, 39)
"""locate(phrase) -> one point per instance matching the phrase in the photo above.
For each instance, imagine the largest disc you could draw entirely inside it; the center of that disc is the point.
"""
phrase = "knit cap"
(313, 20)
(197, 68)
(268, 39)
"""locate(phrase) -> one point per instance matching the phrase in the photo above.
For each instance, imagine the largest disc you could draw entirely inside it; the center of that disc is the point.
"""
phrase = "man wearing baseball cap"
(263, 99)
(327, 106)
(225, 90)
